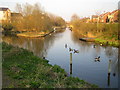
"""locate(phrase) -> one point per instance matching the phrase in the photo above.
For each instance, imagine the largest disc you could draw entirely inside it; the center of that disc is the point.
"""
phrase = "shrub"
(7, 26)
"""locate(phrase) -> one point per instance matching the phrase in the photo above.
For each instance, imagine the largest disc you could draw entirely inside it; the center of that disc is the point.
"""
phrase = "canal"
(55, 48)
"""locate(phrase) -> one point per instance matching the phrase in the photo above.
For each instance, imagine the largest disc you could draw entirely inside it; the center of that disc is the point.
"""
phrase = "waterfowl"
(94, 46)
(76, 51)
(43, 57)
(114, 74)
(97, 59)
(70, 49)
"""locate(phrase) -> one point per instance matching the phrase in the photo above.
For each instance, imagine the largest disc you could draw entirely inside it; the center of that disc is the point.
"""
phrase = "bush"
(7, 26)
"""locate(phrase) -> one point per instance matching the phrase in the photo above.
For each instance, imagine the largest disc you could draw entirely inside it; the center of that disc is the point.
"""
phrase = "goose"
(97, 59)
(70, 49)
(76, 51)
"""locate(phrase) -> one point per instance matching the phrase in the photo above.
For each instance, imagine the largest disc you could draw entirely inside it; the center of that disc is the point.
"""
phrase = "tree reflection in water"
(111, 53)
(39, 46)
(83, 65)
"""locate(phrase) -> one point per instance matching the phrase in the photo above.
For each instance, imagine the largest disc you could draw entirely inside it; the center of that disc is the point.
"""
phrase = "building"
(114, 15)
(16, 20)
(104, 17)
(5, 15)
(88, 20)
(95, 18)
(15, 17)
(109, 17)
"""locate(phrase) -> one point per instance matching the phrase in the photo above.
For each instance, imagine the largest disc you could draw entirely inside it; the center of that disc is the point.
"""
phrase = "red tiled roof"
(105, 13)
(94, 16)
(114, 11)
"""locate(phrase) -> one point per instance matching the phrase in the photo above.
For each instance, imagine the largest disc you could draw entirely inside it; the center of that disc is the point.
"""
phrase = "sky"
(66, 8)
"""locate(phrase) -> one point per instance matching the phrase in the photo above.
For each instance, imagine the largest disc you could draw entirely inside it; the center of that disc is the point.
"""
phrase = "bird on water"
(97, 59)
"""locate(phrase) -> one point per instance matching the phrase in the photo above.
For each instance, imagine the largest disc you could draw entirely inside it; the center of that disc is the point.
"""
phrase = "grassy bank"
(107, 42)
(21, 69)
(105, 33)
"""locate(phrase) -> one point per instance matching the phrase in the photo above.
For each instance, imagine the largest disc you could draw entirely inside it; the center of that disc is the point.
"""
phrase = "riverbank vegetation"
(33, 18)
(106, 33)
(21, 69)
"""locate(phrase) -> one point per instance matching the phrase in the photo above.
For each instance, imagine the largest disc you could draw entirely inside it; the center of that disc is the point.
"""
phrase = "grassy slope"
(105, 33)
(22, 69)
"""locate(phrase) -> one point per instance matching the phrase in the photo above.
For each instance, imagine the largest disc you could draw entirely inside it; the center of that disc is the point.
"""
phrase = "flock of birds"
(70, 49)
(97, 59)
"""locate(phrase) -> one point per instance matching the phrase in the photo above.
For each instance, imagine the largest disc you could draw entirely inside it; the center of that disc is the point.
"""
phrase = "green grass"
(105, 33)
(24, 70)
(107, 42)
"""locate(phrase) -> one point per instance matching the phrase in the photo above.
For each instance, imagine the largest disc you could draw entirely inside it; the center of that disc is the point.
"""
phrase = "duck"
(97, 59)
(43, 57)
(70, 49)
(94, 46)
(114, 74)
(76, 51)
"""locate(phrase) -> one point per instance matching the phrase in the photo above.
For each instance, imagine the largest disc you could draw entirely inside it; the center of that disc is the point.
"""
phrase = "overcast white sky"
(66, 8)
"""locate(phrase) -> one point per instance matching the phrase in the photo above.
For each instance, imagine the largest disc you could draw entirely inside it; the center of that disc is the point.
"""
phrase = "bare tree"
(19, 8)
(75, 17)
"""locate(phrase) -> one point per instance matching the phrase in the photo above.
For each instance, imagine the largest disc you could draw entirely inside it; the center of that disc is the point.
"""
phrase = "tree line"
(109, 30)
(34, 18)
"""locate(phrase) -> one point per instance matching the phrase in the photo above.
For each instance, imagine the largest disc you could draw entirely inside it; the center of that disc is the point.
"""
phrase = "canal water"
(83, 65)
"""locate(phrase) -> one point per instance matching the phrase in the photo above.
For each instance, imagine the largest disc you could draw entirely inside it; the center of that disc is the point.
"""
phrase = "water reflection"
(109, 72)
(99, 51)
(108, 79)
(59, 49)
(70, 63)
(39, 46)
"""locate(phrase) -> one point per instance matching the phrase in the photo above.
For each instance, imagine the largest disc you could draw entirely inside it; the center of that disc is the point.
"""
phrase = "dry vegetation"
(34, 18)
(103, 32)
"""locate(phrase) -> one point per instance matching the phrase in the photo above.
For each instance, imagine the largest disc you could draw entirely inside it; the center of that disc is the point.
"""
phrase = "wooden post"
(70, 58)
(109, 67)
(109, 71)
(108, 79)
(70, 63)
(70, 69)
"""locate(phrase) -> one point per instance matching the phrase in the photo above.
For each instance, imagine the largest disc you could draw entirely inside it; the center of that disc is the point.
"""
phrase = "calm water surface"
(83, 63)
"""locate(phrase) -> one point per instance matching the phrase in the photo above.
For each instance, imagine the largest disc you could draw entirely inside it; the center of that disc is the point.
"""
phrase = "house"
(104, 17)
(15, 17)
(114, 15)
(109, 17)
(95, 18)
(17, 21)
(88, 20)
(85, 19)
(5, 15)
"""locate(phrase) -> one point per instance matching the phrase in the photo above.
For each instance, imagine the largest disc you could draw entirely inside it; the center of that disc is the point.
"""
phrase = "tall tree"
(19, 8)
(75, 17)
